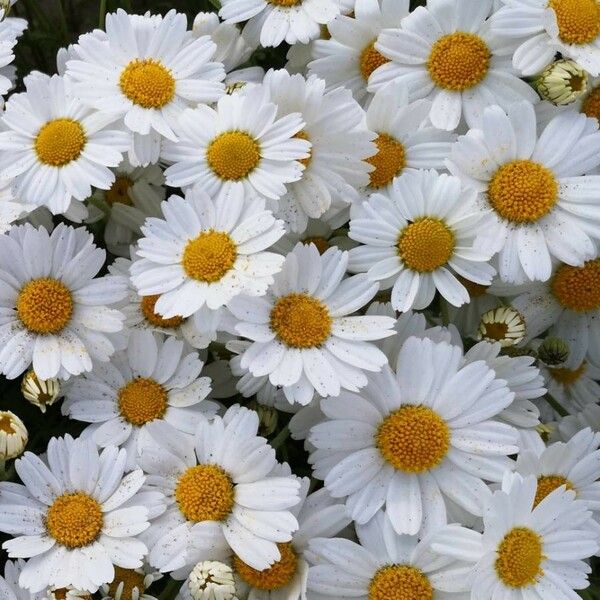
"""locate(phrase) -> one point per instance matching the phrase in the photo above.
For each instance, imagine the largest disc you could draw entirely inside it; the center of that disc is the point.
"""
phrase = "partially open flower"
(40, 392)
(504, 325)
(13, 435)
(562, 82)
(210, 580)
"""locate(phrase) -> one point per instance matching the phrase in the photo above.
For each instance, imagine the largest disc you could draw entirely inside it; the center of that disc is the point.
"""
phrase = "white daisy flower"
(130, 584)
(40, 392)
(152, 380)
(569, 304)
(304, 337)
(209, 580)
(10, 30)
(9, 584)
(75, 517)
(404, 139)
(383, 566)
(539, 203)
(418, 236)
(446, 52)
(526, 551)
(135, 195)
(198, 330)
(206, 252)
(13, 436)
(504, 325)
(67, 593)
(567, 427)
(239, 145)
(349, 56)
(542, 28)
(53, 313)
(339, 145)
(220, 493)
(55, 149)
(428, 432)
(147, 70)
(271, 22)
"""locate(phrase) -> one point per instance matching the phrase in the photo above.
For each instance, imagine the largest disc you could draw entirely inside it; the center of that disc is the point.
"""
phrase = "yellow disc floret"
(578, 20)
(302, 135)
(205, 493)
(119, 191)
(147, 83)
(458, 61)
(60, 142)
(209, 256)
(413, 439)
(370, 59)
(567, 376)
(426, 245)
(578, 288)
(131, 579)
(547, 484)
(148, 308)
(284, 3)
(277, 576)
(591, 105)
(320, 242)
(142, 400)
(519, 558)
(233, 155)
(389, 161)
(523, 191)
(74, 520)
(400, 582)
(300, 321)
(45, 305)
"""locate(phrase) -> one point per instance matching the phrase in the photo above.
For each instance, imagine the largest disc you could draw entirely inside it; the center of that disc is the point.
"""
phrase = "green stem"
(170, 590)
(102, 14)
(556, 405)
(280, 438)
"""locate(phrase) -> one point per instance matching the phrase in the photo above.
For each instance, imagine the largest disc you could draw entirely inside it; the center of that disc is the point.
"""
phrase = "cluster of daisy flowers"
(319, 332)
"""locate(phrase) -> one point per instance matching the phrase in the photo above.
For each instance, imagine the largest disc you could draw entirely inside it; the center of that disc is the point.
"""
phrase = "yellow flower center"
(233, 155)
(519, 561)
(45, 305)
(277, 576)
(400, 582)
(413, 439)
(148, 308)
(495, 331)
(370, 59)
(547, 484)
(567, 376)
(63, 594)
(591, 105)
(523, 191)
(130, 579)
(300, 321)
(302, 135)
(205, 493)
(74, 520)
(578, 288)
(425, 245)
(147, 83)
(60, 142)
(476, 290)
(6, 424)
(142, 400)
(459, 61)
(320, 242)
(209, 256)
(285, 3)
(578, 20)
(119, 191)
(389, 161)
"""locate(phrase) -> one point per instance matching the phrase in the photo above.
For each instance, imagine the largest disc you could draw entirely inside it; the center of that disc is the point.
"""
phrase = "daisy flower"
(135, 195)
(382, 566)
(198, 330)
(54, 313)
(567, 427)
(147, 71)
(54, 148)
(130, 584)
(10, 31)
(206, 252)
(209, 580)
(569, 304)
(349, 56)
(76, 516)
(304, 337)
(9, 584)
(525, 551)
(446, 52)
(539, 203)
(428, 432)
(404, 139)
(339, 145)
(240, 144)
(152, 380)
(542, 28)
(417, 236)
(219, 492)
(271, 22)
(13, 436)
